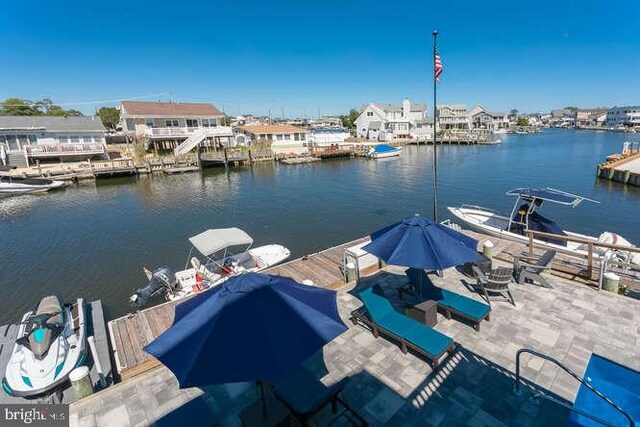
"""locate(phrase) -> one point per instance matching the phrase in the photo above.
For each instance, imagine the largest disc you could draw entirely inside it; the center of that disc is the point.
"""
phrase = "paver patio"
(472, 387)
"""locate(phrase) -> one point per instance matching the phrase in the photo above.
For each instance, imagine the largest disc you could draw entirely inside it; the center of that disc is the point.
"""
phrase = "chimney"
(406, 108)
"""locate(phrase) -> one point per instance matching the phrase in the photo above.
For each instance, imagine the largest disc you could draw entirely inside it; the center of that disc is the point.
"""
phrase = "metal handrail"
(517, 388)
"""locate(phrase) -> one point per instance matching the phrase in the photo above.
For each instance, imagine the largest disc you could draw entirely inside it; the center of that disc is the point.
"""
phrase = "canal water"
(92, 240)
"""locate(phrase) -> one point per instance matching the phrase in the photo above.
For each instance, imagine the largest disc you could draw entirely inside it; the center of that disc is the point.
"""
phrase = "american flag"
(437, 67)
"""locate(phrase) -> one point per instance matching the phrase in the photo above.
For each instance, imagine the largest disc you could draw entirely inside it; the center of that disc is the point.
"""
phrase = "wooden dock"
(96, 327)
(129, 334)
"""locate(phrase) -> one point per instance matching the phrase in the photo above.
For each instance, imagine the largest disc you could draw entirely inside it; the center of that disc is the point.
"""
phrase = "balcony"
(184, 132)
(64, 150)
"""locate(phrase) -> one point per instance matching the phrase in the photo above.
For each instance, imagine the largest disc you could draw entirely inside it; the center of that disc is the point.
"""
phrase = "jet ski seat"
(50, 304)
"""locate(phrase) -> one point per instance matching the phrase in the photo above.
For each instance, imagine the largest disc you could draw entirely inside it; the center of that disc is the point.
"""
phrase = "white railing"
(186, 131)
(64, 149)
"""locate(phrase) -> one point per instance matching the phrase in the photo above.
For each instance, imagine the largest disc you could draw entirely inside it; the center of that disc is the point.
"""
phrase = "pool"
(618, 383)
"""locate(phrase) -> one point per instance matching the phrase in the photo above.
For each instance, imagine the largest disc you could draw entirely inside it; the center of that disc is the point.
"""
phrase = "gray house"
(27, 139)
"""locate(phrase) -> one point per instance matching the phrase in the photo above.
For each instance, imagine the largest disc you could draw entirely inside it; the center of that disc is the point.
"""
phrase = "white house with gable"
(389, 122)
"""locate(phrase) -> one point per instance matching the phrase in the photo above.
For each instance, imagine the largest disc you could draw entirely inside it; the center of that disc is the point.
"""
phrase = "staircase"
(16, 159)
(190, 143)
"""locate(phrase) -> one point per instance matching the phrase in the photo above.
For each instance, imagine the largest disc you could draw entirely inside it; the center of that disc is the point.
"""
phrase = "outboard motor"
(162, 280)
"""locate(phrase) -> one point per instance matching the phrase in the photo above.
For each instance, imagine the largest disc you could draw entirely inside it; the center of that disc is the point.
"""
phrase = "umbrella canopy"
(419, 242)
(253, 327)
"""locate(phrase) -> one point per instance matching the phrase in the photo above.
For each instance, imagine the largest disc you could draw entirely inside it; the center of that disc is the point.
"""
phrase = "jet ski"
(51, 342)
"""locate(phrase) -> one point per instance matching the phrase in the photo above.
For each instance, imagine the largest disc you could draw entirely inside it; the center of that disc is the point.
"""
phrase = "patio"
(472, 387)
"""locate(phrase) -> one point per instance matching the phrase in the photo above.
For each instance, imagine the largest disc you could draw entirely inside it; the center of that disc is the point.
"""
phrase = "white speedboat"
(15, 185)
(51, 343)
(382, 151)
(524, 217)
(218, 263)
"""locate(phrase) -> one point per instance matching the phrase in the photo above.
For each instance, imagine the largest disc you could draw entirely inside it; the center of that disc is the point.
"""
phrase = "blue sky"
(301, 56)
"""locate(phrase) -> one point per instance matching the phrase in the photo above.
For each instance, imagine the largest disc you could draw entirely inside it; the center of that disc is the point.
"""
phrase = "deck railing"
(64, 149)
(590, 246)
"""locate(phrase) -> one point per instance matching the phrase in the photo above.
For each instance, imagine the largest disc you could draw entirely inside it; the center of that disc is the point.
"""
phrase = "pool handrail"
(517, 389)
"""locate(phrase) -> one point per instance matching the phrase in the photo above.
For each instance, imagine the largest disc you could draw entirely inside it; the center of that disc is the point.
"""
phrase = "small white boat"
(500, 131)
(219, 262)
(524, 217)
(51, 343)
(383, 150)
(15, 185)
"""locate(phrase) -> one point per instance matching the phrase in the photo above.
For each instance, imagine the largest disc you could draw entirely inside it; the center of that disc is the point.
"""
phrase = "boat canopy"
(550, 195)
(213, 240)
(384, 148)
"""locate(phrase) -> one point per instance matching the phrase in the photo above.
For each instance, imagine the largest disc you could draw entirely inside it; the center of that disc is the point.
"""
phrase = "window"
(287, 137)
(279, 137)
(149, 123)
(12, 142)
(296, 137)
(302, 137)
(369, 113)
(270, 137)
(3, 140)
(205, 123)
(62, 139)
(74, 139)
(192, 123)
(171, 123)
(130, 124)
(33, 140)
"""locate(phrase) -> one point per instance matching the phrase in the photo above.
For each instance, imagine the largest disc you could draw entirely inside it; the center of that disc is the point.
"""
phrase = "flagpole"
(435, 157)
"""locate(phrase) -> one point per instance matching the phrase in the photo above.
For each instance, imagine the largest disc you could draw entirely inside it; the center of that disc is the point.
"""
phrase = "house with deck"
(452, 116)
(389, 122)
(480, 118)
(174, 125)
(282, 139)
(28, 140)
(623, 116)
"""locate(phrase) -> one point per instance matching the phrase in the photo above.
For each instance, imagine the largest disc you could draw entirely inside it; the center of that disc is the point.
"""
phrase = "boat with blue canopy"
(525, 216)
(383, 150)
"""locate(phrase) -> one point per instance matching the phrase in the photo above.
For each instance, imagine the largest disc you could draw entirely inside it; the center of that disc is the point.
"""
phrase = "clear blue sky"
(250, 56)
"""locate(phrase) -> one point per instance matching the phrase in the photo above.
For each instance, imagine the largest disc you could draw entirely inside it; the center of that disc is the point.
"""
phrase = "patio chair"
(378, 314)
(305, 396)
(497, 281)
(450, 302)
(526, 270)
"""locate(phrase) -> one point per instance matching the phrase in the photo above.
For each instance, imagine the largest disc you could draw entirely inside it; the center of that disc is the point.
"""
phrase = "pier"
(129, 334)
(624, 167)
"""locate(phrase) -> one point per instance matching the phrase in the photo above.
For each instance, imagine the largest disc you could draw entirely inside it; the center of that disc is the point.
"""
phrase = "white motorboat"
(218, 263)
(500, 131)
(382, 151)
(524, 217)
(15, 185)
(51, 343)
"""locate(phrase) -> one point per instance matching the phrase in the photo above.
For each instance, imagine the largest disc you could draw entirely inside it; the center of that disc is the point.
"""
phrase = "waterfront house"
(591, 117)
(322, 137)
(389, 122)
(166, 125)
(563, 117)
(423, 131)
(452, 116)
(623, 116)
(27, 140)
(282, 139)
(480, 118)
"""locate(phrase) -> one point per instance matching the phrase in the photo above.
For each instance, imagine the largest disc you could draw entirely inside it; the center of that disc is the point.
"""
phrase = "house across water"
(27, 140)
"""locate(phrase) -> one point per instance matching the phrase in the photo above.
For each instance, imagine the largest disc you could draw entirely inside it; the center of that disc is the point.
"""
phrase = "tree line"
(110, 116)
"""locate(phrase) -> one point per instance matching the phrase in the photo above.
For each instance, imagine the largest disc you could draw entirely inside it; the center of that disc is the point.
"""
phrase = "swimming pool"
(618, 383)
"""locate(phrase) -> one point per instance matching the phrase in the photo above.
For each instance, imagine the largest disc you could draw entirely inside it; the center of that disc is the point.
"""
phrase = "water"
(93, 240)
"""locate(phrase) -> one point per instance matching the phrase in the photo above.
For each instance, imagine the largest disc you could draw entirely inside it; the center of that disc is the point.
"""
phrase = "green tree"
(225, 120)
(18, 107)
(513, 113)
(349, 121)
(110, 116)
(522, 121)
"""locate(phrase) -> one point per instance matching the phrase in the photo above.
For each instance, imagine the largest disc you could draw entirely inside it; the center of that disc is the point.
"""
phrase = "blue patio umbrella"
(419, 242)
(253, 327)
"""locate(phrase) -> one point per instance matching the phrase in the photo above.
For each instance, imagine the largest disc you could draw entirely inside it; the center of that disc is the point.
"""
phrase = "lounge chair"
(449, 302)
(525, 269)
(305, 396)
(378, 314)
(497, 281)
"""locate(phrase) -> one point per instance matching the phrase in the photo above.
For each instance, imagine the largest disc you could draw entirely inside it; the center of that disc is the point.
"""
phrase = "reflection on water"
(92, 240)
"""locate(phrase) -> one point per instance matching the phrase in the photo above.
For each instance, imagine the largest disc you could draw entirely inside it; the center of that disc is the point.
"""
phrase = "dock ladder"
(517, 388)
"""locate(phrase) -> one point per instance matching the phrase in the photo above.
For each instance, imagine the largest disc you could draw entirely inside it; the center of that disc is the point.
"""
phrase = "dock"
(624, 167)
(129, 334)
(96, 327)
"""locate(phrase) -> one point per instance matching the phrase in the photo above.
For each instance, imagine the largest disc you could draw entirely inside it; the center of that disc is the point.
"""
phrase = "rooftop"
(474, 385)
(169, 109)
(52, 123)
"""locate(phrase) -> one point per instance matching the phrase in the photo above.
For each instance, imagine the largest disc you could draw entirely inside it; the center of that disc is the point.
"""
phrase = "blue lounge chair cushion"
(396, 323)
(429, 340)
(470, 307)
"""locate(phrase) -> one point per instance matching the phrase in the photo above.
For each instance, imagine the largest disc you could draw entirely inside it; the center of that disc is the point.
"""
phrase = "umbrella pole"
(263, 397)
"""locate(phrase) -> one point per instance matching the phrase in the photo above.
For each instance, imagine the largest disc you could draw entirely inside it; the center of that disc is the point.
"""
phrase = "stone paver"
(472, 387)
